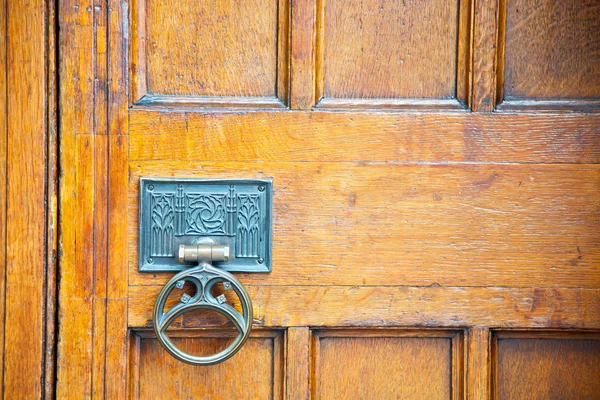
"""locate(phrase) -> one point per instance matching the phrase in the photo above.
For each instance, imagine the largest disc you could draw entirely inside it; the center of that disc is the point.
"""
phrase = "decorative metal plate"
(232, 212)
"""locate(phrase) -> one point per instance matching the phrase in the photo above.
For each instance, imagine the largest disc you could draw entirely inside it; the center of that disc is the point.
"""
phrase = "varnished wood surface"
(232, 51)
(388, 49)
(484, 58)
(52, 193)
(478, 363)
(445, 219)
(448, 225)
(23, 198)
(298, 363)
(3, 179)
(549, 368)
(363, 137)
(303, 58)
(382, 367)
(254, 373)
(552, 49)
(276, 306)
(92, 346)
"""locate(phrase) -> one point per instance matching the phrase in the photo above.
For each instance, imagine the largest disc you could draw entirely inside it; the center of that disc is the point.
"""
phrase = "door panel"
(568, 70)
(419, 248)
(375, 49)
(241, 62)
(256, 372)
(547, 366)
(217, 53)
(387, 364)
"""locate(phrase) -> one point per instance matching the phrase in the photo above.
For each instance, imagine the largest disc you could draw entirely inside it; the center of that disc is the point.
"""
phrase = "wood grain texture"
(92, 316)
(550, 106)
(546, 368)
(118, 77)
(552, 49)
(116, 334)
(228, 48)
(390, 49)
(329, 306)
(25, 179)
(382, 367)
(3, 179)
(52, 193)
(256, 372)
(376, 137)
(80, 364)
(478, 363)
(485, 36)
(403, 225)
(297, 363)
(389, 104)
(382, 219)
(303, 61)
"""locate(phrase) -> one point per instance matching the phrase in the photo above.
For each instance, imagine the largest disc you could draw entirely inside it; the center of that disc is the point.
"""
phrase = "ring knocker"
(203, 277)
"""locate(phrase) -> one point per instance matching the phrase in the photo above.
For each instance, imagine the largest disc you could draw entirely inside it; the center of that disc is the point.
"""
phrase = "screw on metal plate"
(179, 284)
(221, 299)
(185, 298)
(227, 285)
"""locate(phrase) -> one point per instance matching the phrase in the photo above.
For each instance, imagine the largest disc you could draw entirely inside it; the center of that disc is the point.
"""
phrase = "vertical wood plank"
(458, 366)
(478, 363)
(298, 363)
(3, 178)
(100, 235)
(52, 176)
(138, 46)
(116, 349)
(25, 199)
(484, 54)
(464, 61)
(283, 45)
(101, 188)
(116, 329)
(118, 66)
(76, 125)
(84, 149)
(74, 320)
(118, 175)
(93, 344)
(302, 96)
(134, 367)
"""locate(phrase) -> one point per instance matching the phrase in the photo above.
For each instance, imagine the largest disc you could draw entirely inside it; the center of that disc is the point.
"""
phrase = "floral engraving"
(162, 225)
(248, 219)
(205, 214)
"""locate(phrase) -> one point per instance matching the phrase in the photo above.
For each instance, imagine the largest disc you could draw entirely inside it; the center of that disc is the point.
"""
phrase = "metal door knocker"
(203, 277)
(204, 229)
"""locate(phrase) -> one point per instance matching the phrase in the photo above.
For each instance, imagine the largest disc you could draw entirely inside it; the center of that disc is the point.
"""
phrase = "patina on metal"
(203, 277)
(204, 228)
(233, 212)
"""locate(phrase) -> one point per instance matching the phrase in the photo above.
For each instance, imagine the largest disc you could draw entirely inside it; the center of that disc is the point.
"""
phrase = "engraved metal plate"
(232, 212)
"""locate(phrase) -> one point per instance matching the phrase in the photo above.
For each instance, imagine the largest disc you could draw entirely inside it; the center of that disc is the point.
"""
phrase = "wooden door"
(436, 194)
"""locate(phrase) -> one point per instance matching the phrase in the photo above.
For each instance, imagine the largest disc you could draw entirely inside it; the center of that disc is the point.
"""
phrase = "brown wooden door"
(436, 194)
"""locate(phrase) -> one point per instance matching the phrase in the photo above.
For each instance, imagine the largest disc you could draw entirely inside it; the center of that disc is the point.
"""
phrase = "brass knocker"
(203, 277)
